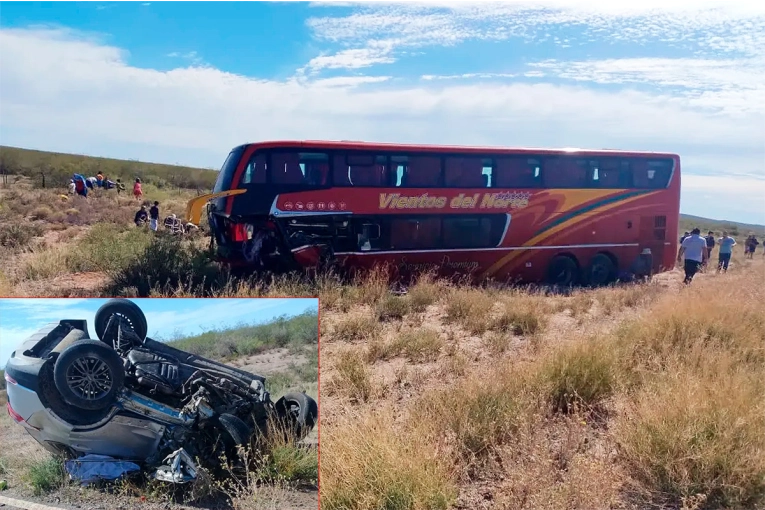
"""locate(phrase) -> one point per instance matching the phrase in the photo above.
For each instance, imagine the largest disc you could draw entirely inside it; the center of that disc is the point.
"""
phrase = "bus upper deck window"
(255, 173)
(423, 171)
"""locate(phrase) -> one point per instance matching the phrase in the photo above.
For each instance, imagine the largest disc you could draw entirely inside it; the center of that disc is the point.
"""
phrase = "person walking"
(154, 216)
(726, 250)
(693, 252)
(137, 190)
(686, 234)
(750, 245)
(711, 241)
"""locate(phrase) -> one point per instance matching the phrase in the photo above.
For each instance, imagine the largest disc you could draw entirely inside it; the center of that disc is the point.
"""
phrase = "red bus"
(562, 216)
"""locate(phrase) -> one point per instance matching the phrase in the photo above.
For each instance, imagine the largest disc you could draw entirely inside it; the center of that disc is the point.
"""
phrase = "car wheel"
(89, 375)
(299, 411)
(126, 309)
(238, 430)
(602, 270)
(562, 271)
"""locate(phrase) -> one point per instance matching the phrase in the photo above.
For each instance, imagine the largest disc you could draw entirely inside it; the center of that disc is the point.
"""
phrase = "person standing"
(726, 249)
(137, 190)
(154, 216)
(693, 252)
(686, 234)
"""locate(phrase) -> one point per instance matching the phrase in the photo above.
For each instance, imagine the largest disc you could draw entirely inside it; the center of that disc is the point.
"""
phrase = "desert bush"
(168, 263)
(580, 374)
(471, 308)
(355, 328)
(17, 236)
(369, 464)
(353, 378)
(417, 345)
(45, 475)
(688, 434)
(476, 415)
(522, 315)
(391, 307)
(245, 340)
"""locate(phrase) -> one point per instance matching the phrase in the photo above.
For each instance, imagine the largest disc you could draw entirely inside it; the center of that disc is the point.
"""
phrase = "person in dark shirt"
(711, 241)
(140, 217)
(154, 216)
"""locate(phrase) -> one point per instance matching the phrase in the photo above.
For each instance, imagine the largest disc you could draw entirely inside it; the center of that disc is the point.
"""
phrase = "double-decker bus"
(562, 216)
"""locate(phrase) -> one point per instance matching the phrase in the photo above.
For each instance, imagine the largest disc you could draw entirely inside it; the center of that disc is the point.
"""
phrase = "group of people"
(696, 251)
(80, 185)
(171, 223)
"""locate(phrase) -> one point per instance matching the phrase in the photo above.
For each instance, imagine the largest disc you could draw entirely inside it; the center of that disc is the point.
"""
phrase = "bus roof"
(371, 146)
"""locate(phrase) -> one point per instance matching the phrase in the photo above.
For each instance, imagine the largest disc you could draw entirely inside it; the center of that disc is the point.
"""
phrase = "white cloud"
(61, 91)
(734, 86)
(352, 59)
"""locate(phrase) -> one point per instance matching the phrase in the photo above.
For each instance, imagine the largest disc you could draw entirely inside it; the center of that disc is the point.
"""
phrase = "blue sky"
(167, 318)
(183, 82)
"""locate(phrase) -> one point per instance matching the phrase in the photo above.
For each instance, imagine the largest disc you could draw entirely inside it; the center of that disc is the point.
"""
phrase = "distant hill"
(689, 222)
(57, 168)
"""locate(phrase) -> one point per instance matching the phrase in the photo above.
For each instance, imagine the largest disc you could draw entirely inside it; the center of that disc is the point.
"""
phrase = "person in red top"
(137, 191)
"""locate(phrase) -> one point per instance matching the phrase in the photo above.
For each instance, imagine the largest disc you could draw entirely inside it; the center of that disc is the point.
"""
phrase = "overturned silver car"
(128, 397)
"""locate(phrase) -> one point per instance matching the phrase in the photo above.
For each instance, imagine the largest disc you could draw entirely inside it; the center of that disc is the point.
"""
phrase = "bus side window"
(517, 172)
(423, 172)
(255, 173)
(611, 173)
(652, 174)
(295, 167)
(464, 172)
(566, 172)
(340, 171)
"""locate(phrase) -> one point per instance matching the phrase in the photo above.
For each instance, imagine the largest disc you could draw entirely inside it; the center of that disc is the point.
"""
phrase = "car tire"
(562, 271)
(299, 411)
(124, 308)
(89, 375)
(237, 429)
(601, 271)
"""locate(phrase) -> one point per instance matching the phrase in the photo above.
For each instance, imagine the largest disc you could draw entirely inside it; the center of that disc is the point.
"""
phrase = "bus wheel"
(602, 270)
(562, 271)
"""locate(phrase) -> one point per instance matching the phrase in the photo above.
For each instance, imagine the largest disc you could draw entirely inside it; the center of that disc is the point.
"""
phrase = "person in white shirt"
(694, 252)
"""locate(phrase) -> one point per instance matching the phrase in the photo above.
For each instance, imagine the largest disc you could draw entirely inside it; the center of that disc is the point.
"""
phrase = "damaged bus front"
(248, 229)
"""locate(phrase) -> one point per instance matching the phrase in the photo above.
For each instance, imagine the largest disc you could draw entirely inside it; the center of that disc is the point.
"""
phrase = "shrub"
(45, 475)
(580, 374)
(353, 377)
(368, 463)
(690, 434)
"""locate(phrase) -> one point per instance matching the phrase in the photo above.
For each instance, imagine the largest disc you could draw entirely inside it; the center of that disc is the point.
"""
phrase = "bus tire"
(562, 271)
(601, 271)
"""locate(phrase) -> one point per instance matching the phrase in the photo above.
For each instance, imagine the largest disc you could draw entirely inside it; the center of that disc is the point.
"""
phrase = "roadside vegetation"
(634, 396)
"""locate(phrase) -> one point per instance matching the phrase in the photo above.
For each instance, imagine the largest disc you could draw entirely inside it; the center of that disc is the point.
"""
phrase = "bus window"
(298, 168)
(611, 173)
(255, 173)
(423, 172)
(359, 170)
(415, 234)
(464, 172)
(467, 233)
(651, 174)
(517, 172)
(566, 172)
(226, 174)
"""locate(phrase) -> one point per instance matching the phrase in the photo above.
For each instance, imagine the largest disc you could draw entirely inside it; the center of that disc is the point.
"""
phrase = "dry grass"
(625, 397)
(370, 464)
